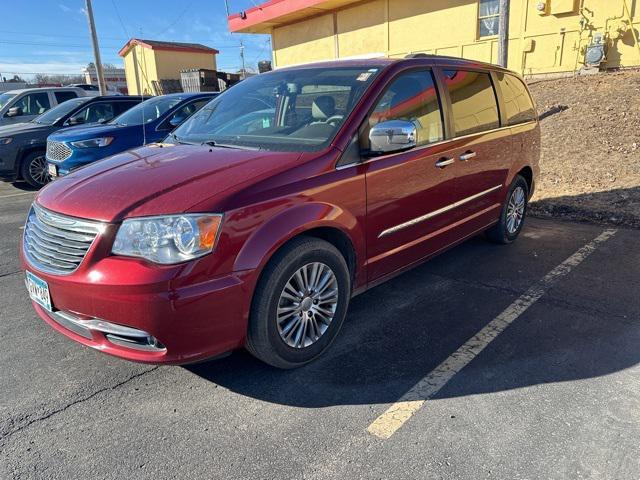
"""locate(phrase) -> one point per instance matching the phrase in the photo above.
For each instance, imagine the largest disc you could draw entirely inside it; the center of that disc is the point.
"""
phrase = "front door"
(405, 191)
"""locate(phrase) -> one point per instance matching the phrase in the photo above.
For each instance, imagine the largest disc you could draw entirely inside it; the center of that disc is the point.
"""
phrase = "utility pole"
(503, 33)
(96, 49)
(244, 71)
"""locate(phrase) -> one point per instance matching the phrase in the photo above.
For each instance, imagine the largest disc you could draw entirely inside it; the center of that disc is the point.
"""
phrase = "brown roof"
(161, 45)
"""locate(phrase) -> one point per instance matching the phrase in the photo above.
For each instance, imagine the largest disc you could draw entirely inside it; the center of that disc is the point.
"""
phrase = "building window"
(488, 15)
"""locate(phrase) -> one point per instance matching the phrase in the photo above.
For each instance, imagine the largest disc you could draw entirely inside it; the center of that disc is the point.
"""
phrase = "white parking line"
(398, 413)
(18, 194)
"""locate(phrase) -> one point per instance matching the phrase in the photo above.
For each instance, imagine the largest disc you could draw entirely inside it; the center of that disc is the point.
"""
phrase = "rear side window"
(517, 102)
(473, 101)
(412, 97)
(64, 96)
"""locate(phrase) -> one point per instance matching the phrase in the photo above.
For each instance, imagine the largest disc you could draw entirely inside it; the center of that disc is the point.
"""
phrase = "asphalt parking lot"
(534, 348)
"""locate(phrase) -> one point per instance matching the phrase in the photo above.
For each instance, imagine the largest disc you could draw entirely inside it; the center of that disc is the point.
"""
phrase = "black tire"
(264, 339)
(503, 232)
(31, 164)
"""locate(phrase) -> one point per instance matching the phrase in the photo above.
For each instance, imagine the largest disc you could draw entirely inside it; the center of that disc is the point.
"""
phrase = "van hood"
(22, 128)
(159, 179)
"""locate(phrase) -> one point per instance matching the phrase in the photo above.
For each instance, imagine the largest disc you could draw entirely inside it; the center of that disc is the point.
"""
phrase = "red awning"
(274, 13)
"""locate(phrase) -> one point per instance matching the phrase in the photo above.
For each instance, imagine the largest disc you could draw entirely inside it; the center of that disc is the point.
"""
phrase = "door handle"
(468, 155)
(444, 161)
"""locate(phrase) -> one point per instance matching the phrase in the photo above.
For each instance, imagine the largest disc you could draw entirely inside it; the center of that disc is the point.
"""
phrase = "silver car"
(18, 106)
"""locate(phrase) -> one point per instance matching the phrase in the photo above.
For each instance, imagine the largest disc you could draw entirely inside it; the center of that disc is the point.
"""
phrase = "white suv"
(17, 106)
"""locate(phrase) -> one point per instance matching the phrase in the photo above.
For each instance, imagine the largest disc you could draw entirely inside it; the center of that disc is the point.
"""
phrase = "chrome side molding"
(440, 211)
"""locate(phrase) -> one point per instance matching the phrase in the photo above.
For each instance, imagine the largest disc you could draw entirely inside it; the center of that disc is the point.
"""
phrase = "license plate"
(38, 291)
(53, 170)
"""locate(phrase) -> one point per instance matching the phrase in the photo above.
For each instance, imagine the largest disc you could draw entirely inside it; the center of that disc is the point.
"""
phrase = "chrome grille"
(57, 151)
(55, 243)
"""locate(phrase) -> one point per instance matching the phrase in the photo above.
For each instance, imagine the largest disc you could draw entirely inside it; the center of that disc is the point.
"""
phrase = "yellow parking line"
(401, 411)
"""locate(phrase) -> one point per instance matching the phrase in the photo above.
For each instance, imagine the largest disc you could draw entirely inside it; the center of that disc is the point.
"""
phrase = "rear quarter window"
(517, 101)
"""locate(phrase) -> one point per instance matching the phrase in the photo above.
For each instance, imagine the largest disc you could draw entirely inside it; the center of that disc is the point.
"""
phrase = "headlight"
(168, 239)
(5, 140)
(93, 142)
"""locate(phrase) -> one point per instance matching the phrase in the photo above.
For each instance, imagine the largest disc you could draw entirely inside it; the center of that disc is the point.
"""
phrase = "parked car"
(259, 237)
(17, 106)
(90, 90)
(149, 122)
(23, 145)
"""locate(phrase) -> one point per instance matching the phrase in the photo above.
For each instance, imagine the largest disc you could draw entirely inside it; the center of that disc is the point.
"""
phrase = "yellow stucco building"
(146, 61)
(545, 36)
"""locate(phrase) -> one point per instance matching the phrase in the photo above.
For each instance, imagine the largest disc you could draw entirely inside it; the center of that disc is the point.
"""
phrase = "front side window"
(473, 101)
(488, 16)
(34, 103)
(148, 111)
(56, 113)
(185, 112)
(298, 109)
(100, 112)
(412, 97)
(517, 101)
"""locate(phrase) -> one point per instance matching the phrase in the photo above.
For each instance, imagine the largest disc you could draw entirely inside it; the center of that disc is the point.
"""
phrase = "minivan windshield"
(56, 113)
(147, 111)
(5, 97)
(289, 110)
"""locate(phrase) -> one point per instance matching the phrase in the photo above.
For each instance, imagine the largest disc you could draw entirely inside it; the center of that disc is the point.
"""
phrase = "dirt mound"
(590, 165)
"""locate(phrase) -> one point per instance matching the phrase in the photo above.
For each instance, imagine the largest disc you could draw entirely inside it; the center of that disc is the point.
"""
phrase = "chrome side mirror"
(392, 136)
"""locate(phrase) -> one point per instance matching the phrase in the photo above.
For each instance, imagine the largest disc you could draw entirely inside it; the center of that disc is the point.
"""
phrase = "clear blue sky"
(51, 36)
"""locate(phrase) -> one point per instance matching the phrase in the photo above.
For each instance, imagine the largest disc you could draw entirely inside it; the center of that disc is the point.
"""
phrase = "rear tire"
(512, 216)
(33, 169)
(299, 304)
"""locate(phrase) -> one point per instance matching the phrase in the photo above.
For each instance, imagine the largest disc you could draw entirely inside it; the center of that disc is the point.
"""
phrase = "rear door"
(481, 147)
(406, 190)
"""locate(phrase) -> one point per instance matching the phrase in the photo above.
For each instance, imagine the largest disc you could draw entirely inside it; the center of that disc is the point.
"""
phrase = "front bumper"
(199, 320)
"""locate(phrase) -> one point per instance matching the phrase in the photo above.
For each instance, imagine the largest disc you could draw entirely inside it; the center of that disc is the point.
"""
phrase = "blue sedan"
(151, 121)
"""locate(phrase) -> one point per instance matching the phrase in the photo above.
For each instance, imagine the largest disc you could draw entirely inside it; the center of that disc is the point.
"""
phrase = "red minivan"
(254, 223)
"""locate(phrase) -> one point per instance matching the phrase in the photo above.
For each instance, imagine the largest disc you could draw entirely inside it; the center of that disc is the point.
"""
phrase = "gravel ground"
(590, 165)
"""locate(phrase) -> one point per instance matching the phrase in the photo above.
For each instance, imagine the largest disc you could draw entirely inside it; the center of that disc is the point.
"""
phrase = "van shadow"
(619, 207)
(398, 332)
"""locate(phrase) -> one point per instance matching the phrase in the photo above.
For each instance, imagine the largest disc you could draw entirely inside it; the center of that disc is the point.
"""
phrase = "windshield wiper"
(213, 143)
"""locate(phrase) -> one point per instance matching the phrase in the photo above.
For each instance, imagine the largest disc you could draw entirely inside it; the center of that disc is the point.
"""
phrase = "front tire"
(299, 304)
(34, 169)
(512, 216)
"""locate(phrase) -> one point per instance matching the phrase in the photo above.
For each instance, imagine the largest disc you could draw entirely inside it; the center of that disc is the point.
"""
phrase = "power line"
(56, 34)
(124, 29)
(177, 19)
(66, 45)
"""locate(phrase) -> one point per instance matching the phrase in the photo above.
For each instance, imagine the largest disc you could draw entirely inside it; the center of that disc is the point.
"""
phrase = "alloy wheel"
(38, 170)
(307, 305)
(515, 209)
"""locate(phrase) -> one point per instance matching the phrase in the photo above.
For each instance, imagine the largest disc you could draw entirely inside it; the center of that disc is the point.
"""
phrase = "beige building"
(147, 63)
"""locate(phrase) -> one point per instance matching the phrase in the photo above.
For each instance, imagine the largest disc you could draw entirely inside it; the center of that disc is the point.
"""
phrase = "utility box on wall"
(558, 7)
